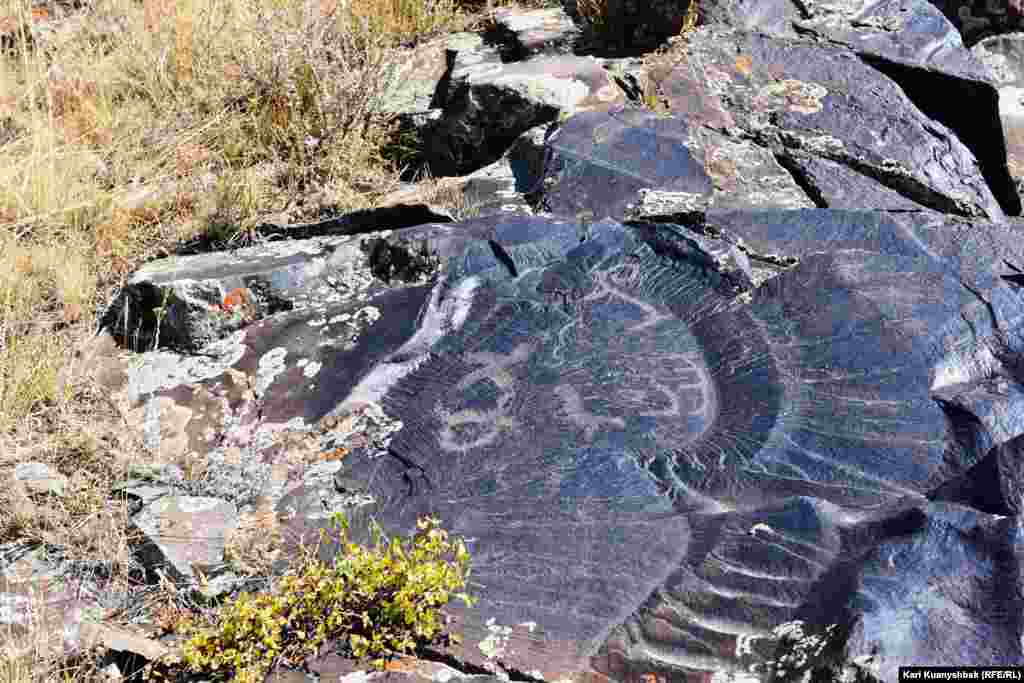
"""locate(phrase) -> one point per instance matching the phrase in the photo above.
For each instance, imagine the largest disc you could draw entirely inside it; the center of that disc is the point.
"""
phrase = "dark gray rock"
(791, 95)
(1004, 56)
(691, 377)
(962, 566)
(993, 485)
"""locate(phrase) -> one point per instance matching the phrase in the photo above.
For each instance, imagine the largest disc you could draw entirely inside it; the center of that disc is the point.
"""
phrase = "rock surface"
(691, 376)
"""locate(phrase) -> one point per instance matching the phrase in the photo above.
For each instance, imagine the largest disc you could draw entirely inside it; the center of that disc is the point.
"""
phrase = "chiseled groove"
(726, 564)
(577, 563)
(746, 572)
(740, 594)
(676, 654)
(682, 654)
(779, 537)
(557, 611)
(853, 471)
(792, 554)
(717, 623)
(576, 155)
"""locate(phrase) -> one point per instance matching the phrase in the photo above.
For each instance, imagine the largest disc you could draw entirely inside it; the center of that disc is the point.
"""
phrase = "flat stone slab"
(597, 410)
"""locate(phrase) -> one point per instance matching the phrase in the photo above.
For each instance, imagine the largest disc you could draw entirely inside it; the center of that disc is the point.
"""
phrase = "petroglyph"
(470, 428)
(577, 413)
(618, 362)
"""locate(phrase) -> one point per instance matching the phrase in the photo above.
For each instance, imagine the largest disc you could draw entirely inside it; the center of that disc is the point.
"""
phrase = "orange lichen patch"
(239, 296)
(399, 665)
(409, 665)
(334, 454)
(744, 64)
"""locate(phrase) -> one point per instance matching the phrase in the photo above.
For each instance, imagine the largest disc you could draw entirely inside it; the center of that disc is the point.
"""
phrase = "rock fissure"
(803, 180)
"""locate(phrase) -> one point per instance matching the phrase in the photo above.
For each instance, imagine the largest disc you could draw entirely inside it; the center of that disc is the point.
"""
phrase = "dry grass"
(131, 128)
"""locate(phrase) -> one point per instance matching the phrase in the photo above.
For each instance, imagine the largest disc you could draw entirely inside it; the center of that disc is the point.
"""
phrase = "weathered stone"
(122, 640)
(960, 561)
(1004, 55)
(993, 485)
(819, 100)
(689, 377)
(490, 105)
(525, 33)
(977, 19)
(185, 531)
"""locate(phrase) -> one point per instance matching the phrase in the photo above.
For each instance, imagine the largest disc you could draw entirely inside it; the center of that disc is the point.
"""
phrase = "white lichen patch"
(369, 314)
(660, 202)
(744, 641)
(347, 277)
(311, 369)
(352, 326)
(803, 648)
(157, 370)
(268, 432)
(271, 365)
(196, 503)
(822, 145)
(496, 644)
(763, 528)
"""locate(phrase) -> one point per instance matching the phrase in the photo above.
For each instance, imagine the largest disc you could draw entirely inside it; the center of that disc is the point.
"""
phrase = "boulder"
(731, 352)
(1004, 55)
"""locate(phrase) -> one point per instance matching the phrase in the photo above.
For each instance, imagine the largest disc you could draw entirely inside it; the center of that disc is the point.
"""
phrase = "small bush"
(383, 601)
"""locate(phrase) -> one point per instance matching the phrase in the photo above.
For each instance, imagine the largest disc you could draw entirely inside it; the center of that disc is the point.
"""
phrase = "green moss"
(382, 600)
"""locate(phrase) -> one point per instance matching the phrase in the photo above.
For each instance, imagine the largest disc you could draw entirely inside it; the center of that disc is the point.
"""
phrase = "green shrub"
(383, 600)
